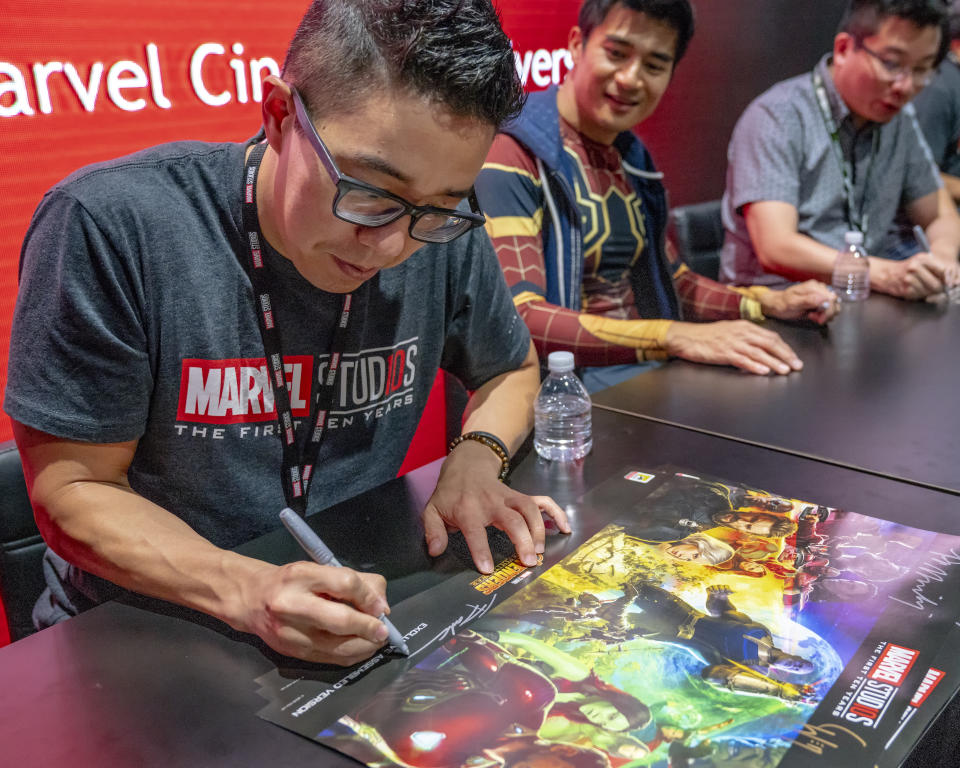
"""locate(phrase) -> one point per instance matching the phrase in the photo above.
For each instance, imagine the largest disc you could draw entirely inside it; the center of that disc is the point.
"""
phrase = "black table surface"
(122, 686)
(878, 392)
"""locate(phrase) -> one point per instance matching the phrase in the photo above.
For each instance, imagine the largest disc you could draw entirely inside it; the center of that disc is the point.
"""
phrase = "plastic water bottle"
(561, 429)
(851, 270)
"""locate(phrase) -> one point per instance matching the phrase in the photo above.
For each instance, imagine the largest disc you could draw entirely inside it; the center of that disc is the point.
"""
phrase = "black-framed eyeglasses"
(893, 71)
(360, 203)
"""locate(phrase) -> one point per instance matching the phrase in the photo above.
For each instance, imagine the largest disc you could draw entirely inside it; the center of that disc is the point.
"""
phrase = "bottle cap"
(853, 237)
(560, 362)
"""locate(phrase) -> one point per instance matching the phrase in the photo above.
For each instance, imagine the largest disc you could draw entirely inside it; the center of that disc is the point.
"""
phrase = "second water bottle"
(851, 271)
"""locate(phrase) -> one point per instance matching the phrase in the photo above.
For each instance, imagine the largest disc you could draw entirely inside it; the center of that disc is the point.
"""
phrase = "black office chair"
(21, 547)
(698, 234)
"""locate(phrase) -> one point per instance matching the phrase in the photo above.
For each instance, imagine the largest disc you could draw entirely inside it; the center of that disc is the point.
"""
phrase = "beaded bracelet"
(492, 442)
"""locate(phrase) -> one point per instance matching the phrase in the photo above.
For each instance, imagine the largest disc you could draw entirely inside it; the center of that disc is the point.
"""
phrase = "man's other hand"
(739, 343)
(469, 497)
(918, 277)
(809, 300)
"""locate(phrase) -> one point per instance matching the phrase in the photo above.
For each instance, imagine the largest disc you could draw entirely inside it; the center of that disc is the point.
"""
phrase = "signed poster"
(705, 625)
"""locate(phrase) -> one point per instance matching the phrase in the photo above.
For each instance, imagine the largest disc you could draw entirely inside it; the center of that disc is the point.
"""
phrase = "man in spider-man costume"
(577, 212)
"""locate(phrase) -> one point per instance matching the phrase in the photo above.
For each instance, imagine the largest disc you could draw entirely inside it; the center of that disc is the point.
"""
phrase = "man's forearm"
(944, 235)
(88, 514)
(114, 533)
(555, 328)
(797, 257)
(504, 405)
(706, 300)
(952, 183)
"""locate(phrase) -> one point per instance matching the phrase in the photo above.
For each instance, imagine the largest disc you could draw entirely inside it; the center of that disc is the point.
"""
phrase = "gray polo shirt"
(781, 150)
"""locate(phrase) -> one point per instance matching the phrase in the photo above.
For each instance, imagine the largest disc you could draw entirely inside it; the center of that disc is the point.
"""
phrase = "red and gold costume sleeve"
(706, 300)
(511, 193)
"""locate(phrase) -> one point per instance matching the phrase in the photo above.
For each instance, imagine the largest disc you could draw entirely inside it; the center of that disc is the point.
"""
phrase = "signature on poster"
(814, 738)
(933, 570)
(475, 611)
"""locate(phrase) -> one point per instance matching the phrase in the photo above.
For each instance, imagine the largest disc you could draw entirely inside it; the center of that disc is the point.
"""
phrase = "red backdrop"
(85, 81)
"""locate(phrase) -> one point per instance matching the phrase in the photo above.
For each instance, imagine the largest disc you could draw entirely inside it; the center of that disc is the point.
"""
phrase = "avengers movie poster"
(704, 625)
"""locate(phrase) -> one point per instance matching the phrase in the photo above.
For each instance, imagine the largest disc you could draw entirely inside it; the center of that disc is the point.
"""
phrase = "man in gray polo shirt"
(839, 149)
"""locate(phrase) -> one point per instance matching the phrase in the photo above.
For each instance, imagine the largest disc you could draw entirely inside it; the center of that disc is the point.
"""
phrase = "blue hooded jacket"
(538, 129)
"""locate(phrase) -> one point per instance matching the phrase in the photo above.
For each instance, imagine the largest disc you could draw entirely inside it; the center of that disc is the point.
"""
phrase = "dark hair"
(780, 527)
(735, 565)
(783, 527)
(760, 500)
(864, 17)
(452, 52)
(636, 713)
(677, 14)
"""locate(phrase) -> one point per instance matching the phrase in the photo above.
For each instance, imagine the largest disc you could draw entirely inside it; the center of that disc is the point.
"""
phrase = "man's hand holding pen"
(314, 612)
(925, 275)
(321, 554)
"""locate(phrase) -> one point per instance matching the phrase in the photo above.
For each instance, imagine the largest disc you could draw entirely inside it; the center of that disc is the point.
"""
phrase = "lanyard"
(855, 218)
(299, 451)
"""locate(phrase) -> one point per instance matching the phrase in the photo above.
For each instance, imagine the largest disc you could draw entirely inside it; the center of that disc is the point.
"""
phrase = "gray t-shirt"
(938, 111)
(135, 321)
(781, 150)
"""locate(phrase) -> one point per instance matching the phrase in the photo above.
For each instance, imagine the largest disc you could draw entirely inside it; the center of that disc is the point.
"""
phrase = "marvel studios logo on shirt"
(236, 398)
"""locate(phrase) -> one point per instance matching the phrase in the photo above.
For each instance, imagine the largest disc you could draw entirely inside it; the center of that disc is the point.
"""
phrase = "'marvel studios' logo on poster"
(868, 698)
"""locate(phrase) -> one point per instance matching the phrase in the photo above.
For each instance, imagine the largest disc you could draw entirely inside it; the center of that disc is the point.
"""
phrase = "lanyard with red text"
(299, 451)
